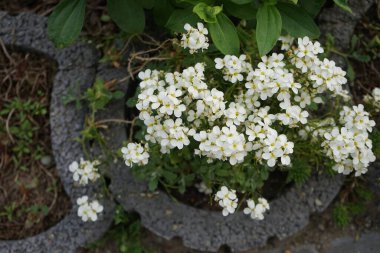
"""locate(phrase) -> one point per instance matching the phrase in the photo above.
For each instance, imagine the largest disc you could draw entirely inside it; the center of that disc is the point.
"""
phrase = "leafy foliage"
(353, 205)
(271, 17)
(125, 233)
(300, 171)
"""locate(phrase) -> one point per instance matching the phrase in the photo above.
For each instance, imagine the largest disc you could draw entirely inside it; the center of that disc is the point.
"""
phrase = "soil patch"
(31, 195)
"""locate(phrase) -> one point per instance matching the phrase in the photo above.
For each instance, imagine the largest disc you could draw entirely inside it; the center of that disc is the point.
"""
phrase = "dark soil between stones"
(31, 195)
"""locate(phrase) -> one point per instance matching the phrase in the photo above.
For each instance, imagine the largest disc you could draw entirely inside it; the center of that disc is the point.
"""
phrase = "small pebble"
(46, 160)
(318, 202)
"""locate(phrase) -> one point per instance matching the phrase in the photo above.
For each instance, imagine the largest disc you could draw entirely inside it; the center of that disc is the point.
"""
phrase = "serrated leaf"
(66, 22)
(179, 18)
(268, 28)
(297, 22)
(224, 35)
(207, 13)
(127, 14)
(343, 4)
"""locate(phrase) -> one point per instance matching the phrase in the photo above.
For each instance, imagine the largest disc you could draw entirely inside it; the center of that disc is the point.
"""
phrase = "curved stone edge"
(76, 68)
(204, 230)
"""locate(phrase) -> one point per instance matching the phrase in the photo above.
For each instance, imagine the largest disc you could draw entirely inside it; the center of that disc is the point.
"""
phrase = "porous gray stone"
(76, 68)
(366, 243)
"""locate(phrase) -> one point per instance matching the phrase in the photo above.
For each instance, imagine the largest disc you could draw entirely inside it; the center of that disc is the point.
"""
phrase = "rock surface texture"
(76, 69)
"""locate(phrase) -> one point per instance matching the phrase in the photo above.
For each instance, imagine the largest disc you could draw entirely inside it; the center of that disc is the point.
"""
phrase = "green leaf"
(245, 11)
(66, 22)
(162, 12)
(206, 12)
(153, 183)
(268, 28)
(179, 18)
(241, 1)
(313, 7)
(297, 22)
(360, 57)
(343, 5)
(350, 72)
(224, 35)
(127, 14)
(194, 2)
(148, 4)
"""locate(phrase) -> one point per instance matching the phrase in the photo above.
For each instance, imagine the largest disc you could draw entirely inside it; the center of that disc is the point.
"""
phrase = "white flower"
(85, 171)
(256, 211)
(195, 38)
(88, 211)
(227, 199)
(135, 153)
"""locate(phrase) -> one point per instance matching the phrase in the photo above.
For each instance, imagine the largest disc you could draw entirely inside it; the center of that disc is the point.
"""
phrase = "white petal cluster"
(227, 199)
(350, 146)
(135, 153)
(84, 171)
(195, 38)
(203, 188)
(256, 210)
(247, 114)
(233, 67)
(224, 143)
(88, 211)
(373, 99)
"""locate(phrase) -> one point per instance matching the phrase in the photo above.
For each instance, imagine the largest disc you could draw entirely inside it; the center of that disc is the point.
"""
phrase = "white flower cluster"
(231, 120)
(195, 38)
(256, 210)
(233, 67)
(135, 153)
(88, 211)
(373, 99)
(85, 171)
(349, 146)
(176, 107)
(227, 199)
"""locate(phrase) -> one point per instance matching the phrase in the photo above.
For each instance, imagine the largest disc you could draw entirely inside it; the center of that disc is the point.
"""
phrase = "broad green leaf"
(224, 35)
(148, 4)
(206, 12)
(195, 2)
(66, 22)
(268, 28)
(343, 5)
(313, 7)
(297, 22)
(127, 14)
(179, 18)
(162, 12)
(294, 1)
(241, 1)
(244, 11)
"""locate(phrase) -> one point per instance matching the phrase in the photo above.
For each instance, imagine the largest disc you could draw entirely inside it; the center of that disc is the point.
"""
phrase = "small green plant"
(23, 129)
(125, 233)
(352, 204)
